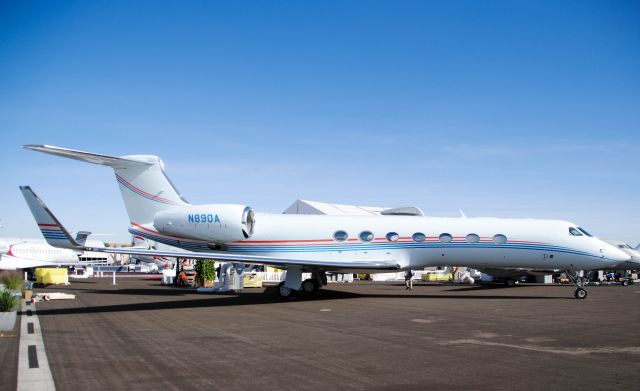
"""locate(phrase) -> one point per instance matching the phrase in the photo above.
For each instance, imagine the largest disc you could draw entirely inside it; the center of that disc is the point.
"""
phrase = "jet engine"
(214, 223)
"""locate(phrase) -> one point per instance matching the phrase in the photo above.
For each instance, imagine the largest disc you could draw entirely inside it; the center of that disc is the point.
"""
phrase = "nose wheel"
(580, 292)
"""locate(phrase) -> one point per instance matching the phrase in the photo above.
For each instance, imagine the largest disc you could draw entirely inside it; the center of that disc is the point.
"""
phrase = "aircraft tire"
(284, 292)
(625, 282)
(510, 283)
(580, 293)
(310, 286)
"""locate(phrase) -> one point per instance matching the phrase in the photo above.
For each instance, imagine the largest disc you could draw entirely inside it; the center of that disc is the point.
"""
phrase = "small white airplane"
(398, 239)
(29, 253)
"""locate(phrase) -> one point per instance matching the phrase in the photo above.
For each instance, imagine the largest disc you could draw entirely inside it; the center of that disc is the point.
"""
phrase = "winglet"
(54, 233)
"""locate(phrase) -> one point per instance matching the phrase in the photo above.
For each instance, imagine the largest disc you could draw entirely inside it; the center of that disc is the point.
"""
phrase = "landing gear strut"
(580, 292)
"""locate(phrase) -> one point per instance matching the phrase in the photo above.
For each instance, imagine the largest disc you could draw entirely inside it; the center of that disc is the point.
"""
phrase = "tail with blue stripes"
(54, 233)
(145, 188)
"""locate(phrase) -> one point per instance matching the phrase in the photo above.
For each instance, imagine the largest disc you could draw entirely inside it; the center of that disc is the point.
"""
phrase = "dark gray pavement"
(139, 335)
(9, 345)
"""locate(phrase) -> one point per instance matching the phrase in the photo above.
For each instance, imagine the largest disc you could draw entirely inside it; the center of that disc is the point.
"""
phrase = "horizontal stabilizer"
(54, 233)
(81, 237)
(88, 157)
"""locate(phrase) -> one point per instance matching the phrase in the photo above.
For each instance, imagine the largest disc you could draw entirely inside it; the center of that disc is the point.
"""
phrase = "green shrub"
(204, 271)
(8, 301)
(12, 282)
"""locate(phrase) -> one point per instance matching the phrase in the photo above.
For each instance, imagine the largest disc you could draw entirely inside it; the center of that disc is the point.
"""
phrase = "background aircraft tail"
(52, 230)
(145, 188)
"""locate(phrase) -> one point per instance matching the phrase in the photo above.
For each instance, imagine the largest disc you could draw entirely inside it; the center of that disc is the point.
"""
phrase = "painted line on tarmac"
(544, 349)
(34, 373)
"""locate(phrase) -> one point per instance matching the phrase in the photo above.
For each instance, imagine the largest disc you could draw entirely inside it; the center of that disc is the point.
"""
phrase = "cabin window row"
(368, 236)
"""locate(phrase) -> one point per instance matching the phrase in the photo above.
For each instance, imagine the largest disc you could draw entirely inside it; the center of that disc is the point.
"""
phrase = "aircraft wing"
(255, 259)
(57, 236)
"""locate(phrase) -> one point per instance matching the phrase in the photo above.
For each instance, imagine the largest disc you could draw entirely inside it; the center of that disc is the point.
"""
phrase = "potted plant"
(12, 282)
(8, 310)
(205, 272)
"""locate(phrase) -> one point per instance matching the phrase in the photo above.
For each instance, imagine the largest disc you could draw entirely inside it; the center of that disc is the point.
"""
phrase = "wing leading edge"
(44, 217)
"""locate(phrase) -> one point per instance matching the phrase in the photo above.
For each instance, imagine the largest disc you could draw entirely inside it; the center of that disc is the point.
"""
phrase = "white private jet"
(29, 253)
(399, 239)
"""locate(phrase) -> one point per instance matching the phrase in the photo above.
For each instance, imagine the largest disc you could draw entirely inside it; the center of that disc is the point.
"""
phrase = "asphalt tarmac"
(9, 344)
(139, 335)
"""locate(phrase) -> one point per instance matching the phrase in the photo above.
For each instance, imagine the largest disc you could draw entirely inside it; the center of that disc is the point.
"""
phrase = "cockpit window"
(585, 232)
(574, 232)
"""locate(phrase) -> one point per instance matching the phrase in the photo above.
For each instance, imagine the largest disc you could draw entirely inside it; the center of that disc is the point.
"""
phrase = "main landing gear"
(580, 292)
(510, 282)
(287, 288)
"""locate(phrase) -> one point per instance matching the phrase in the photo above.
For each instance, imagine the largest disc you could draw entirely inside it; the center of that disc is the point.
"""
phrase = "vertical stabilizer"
(54, 233)
(145, 188)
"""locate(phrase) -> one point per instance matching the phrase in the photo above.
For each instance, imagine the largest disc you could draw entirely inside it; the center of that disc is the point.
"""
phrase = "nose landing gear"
(580, 292)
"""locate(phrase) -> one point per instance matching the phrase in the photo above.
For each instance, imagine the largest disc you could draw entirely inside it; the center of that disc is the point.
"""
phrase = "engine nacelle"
(214, 223)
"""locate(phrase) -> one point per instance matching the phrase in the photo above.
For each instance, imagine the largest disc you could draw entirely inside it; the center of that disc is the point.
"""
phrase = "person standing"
(408, 279)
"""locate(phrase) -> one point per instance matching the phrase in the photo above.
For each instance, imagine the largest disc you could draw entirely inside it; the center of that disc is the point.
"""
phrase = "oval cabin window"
(340, 236)
(472, 238)
(393, 236)
(499, 239)
(445, 238)
(418, 237)
(366, 236)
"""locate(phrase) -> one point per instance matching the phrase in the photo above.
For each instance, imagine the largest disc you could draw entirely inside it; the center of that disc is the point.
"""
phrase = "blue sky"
(511, 109)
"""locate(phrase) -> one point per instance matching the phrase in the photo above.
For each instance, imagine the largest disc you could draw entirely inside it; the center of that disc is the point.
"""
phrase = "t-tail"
(52, 230)
(145, 188)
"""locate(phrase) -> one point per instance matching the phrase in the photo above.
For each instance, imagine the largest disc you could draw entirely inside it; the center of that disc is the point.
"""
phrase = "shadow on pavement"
(259, 298)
